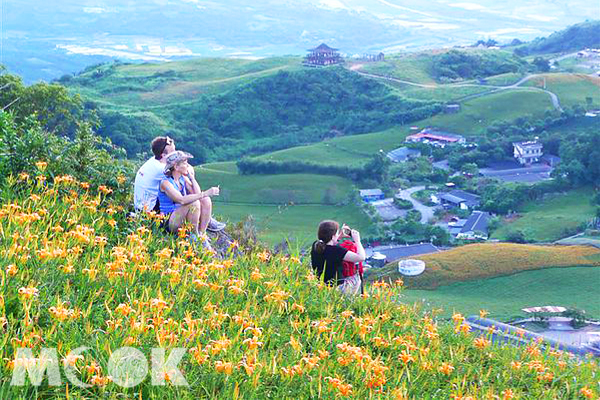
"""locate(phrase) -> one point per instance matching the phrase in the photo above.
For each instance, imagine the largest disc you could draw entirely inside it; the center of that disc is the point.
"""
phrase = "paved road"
(494, 89)
(426, 212)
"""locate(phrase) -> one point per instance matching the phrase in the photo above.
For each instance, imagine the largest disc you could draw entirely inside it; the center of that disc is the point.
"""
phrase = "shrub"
(402, 203)
(516, 236)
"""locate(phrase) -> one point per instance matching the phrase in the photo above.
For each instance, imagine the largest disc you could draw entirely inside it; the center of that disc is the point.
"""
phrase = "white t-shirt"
(147, 181)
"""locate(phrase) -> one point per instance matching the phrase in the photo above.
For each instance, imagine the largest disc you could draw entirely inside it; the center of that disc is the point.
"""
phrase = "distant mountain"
(574, 38)
(44, 40)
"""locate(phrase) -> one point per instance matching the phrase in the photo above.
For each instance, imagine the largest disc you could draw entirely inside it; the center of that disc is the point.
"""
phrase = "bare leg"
(206, 213)
(189, 212)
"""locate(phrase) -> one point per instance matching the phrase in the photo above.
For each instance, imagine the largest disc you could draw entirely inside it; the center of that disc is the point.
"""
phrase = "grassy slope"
(348, 150)
(584, 240)
(246, 324)
(295, 222)
(416, 67)
(477, 114)
(545, 221)
(193, 77)
(287, 205)
(410, 67)
(504, 296)
(571, 89)
(486, 260)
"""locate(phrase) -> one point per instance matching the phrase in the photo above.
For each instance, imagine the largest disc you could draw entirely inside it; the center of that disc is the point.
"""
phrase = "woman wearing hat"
(179, 197)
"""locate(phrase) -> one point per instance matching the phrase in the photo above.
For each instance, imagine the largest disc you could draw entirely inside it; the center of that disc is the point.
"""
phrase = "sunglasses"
(168, 142)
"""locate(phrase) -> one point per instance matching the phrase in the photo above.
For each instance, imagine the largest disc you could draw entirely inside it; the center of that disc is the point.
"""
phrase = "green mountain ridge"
(574, 38)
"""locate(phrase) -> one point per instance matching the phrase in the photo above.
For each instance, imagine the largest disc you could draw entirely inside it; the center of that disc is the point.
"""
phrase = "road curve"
(495, 89)
(426, 212)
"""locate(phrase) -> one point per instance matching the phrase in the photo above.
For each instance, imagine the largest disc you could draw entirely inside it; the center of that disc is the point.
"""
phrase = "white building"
(527, 153)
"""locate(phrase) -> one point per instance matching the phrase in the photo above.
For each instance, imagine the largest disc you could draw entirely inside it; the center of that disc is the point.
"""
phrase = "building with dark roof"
(322, 55)
(457, 198)
(550, 160)
(476, 226)
(403, 154)
(436, 137)
(394, 252)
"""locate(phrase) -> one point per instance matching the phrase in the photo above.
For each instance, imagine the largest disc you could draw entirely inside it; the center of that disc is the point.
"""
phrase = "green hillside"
(571, 89)
(473, 120)
(445, 65)
(505, 296)
(280, 107)
(127, 87)
(283, 206)
(413, 67)
(353, 150)
(552, 218)
(575, 37)
(477, 114)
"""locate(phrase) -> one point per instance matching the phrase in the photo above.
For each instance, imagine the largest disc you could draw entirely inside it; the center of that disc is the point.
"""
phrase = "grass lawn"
(504, 79)
(145, 85)
(445, 93)
(582, 241)
(352, 150)
(488, 260)
(504, 297)
(409, 67)
(297, 222)
(282, 206)
(477, 114)
(546, 220)
(273, 189)
(571, 89)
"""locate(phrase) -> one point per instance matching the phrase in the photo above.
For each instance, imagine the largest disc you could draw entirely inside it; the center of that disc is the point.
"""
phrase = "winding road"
(494, 88)
(426, 212)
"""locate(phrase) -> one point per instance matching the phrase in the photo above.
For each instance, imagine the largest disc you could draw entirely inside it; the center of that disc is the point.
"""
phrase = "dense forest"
(574, 38)
(275, 112)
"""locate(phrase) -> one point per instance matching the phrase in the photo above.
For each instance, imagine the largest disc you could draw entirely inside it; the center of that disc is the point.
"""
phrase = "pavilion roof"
(323, 48)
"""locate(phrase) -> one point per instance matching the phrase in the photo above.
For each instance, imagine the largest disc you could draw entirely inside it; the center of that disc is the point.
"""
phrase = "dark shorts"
(156, 208)
(164, 224)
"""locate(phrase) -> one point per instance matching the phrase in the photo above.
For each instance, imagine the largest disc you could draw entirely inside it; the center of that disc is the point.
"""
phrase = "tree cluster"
(455, 64)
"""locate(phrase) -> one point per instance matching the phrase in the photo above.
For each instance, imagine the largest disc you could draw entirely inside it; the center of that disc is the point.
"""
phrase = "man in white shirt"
(149, 176)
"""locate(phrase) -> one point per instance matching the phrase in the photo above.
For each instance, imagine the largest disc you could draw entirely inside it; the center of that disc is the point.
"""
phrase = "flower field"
(487, 260)
(76, 272)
